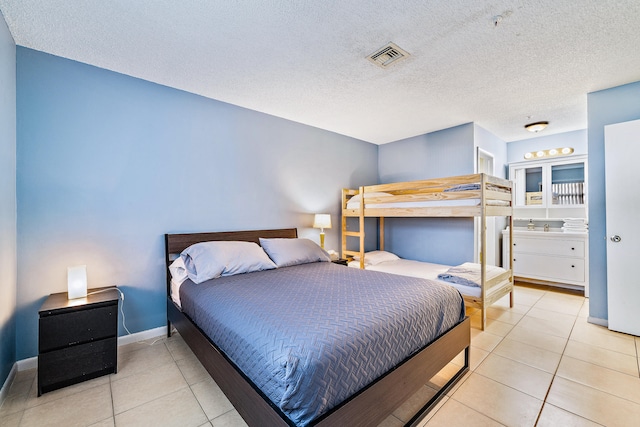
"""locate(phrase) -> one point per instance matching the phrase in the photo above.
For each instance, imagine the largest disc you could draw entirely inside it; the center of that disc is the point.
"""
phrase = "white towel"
(469, 274)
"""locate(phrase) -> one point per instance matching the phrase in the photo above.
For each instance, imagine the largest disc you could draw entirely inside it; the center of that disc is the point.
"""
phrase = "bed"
(477, 195)
(369, 403)
(468, 283)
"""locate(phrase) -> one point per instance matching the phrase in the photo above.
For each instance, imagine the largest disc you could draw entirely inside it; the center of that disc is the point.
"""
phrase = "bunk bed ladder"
(360, 233)
(346, 195)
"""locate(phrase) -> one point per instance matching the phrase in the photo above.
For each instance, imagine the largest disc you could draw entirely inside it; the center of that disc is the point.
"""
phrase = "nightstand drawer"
(77, 327)
(72, 365)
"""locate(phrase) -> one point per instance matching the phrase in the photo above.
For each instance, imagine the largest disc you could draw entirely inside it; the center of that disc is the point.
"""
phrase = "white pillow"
(376, 257)
(286, 252)
(357, 197)
(209, 260)
(178, 271)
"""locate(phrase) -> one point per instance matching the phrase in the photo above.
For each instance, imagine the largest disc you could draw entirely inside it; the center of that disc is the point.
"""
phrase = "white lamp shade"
(77, 282)
(322, 221)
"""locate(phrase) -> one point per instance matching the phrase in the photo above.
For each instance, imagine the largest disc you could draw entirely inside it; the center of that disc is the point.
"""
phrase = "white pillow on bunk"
(354, 202)
(357, 197)
(376, 257)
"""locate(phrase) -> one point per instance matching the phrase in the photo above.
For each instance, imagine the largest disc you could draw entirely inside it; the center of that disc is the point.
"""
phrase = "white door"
(622, 152)
(484, 164)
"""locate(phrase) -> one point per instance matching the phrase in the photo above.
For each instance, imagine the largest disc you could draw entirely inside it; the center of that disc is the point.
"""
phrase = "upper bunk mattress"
(355, 204)
(310, 336)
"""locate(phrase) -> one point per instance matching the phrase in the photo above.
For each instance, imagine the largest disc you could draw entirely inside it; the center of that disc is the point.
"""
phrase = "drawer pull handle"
(573, 249)
(573, 266)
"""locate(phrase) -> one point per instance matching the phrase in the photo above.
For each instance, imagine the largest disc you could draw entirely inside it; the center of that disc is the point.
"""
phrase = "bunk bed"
(472, 196)
(369, 404)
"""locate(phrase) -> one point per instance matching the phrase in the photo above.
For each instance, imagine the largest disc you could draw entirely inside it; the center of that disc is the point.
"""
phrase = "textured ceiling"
(305, 60)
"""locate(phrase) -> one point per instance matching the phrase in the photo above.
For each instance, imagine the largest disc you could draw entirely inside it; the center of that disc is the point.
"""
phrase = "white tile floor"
(537, 364)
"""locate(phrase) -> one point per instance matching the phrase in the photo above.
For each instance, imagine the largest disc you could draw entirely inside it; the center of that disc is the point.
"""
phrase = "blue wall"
(7, 201)
(108, 163)
(439, 240)
(615, 105)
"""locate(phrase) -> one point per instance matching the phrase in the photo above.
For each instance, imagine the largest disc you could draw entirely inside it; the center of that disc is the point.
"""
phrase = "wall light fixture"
(552, 152)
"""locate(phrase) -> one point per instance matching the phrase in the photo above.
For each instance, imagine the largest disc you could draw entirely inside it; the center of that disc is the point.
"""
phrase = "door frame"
(492, 238)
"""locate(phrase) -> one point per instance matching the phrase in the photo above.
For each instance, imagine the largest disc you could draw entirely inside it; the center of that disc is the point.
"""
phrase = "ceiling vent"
(387, 55)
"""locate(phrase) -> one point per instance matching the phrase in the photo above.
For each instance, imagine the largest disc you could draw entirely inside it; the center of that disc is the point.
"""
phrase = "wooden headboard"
(176, 243)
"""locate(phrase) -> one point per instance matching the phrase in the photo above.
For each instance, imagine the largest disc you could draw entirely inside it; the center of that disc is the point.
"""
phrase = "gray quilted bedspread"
(312, 335)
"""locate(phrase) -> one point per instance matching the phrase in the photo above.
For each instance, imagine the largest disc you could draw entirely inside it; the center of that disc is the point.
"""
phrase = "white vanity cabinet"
(552, 188)
(553, 256)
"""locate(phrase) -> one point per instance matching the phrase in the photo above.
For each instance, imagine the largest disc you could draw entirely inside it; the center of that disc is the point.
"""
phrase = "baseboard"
(25, 364)
(598, 321)
(556, 285)
(143, 335)
(7, 383)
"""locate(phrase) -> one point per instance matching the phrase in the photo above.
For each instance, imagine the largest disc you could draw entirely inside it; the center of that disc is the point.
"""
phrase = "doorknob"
(616, 238)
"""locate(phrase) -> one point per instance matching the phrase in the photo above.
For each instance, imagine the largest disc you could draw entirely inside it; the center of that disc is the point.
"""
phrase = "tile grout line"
(544, 400)
(189, 385)
(474, 371)
(113, 405)
(133, 374)
(555, 373)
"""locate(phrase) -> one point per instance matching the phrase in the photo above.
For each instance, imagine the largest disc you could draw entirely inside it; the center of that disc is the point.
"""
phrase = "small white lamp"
(77, 282)
(322, 221)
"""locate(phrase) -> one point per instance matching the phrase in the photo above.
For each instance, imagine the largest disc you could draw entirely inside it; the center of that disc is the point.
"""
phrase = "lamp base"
(322, 240)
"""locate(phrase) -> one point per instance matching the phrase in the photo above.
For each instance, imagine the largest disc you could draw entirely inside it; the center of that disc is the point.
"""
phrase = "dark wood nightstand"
(340, 261)
(77, 339)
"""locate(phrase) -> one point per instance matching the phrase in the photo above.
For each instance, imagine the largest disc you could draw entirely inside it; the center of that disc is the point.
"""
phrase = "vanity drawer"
(561, 247)
(551, 268)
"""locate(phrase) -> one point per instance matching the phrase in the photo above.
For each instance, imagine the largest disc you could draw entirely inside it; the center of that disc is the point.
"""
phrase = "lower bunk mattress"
(312, 335)
(431, 271)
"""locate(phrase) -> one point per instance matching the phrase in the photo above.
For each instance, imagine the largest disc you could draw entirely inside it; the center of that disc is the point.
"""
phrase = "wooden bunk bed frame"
(495, 199)
(368, 407)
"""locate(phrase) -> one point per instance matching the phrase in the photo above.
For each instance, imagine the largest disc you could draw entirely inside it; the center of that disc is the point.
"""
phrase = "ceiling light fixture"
(536, 127)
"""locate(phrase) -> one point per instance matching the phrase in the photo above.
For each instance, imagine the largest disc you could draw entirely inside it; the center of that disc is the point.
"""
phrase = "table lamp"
(322, 221)
(77, 282)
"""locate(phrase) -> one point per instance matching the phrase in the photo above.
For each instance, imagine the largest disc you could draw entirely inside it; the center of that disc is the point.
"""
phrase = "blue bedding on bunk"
(310, 336)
